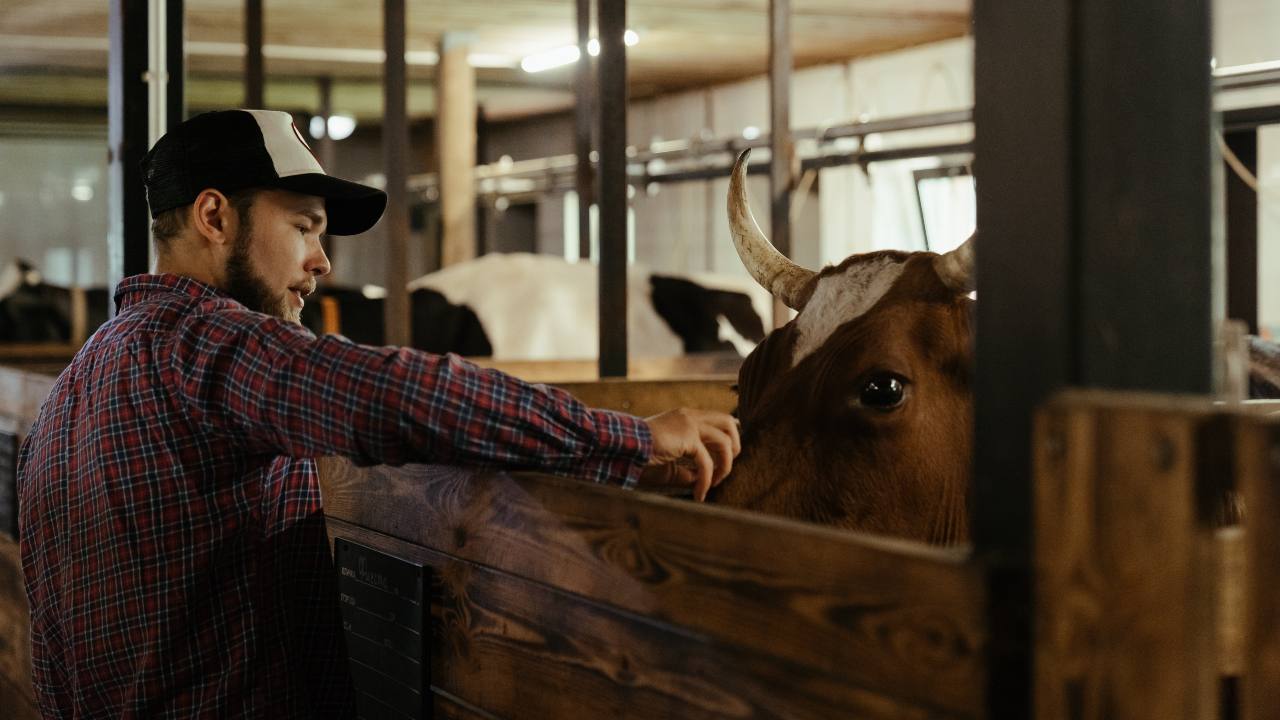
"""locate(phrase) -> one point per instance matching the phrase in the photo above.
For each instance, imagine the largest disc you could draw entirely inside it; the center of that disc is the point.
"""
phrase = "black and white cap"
(233, 150)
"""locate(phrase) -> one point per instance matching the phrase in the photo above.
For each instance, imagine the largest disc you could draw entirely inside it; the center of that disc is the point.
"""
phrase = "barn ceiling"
(54, 53)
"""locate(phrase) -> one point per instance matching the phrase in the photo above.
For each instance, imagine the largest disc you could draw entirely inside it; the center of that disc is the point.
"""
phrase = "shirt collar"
(137, 288)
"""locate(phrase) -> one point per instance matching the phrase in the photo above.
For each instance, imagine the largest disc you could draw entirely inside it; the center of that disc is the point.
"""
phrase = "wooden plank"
(15, 634)
(1118, 484)
(446, 707)
(689, 366)
(517, 648)
(650, 397)
(901, 618)
(21, 394)
(1260, 480)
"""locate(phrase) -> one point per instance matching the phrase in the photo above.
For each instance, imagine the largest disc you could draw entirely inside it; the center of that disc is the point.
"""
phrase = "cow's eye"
(882, 392)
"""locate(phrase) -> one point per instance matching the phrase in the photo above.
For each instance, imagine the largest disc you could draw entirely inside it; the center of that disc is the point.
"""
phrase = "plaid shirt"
(173, 540)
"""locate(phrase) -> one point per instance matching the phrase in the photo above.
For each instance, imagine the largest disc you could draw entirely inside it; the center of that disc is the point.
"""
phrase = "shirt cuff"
(625, 444)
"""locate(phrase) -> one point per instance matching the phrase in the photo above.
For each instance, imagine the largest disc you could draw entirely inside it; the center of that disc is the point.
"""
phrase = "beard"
(246, 286)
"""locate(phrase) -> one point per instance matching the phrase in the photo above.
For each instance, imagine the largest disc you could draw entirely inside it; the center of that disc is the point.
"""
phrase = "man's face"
(277, 255)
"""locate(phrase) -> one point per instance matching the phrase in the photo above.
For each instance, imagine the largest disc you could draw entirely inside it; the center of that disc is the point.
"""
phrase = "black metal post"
(1242, 230)
(395, 153)
(175, 62)
(612, 23)
(325, 144)
(782, 149)
(582, 116)
(1095, 261)
(254, 68)
(128, 235)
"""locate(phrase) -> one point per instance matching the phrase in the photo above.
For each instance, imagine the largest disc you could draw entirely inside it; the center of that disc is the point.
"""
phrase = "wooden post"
(395, 157)
(782, 150)
(612, 99)
(254, 67)
(1120, 633)
(456, 147)
(1093, 269)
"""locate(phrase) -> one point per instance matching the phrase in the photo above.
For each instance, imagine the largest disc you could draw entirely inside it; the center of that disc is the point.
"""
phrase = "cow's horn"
(956, 267)
(786, 280)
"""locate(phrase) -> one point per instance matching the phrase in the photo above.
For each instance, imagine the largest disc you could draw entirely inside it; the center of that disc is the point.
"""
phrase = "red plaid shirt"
(173, 541)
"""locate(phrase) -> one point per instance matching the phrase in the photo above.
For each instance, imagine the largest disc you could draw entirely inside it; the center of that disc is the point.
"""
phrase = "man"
(172, 535)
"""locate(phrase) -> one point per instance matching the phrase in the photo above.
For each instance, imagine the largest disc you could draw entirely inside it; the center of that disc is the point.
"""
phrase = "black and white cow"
(522, 306)
(33, 311)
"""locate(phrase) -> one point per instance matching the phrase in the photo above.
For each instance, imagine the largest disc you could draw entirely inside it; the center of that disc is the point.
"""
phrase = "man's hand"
(692, 447)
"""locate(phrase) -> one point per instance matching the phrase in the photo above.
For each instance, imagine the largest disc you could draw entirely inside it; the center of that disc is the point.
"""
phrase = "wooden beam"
(395, 158)
(1260, 481)
(456, 148)
(782, 149)
(254, 66)
(1092, 269)
(128, 139)
(611, 19)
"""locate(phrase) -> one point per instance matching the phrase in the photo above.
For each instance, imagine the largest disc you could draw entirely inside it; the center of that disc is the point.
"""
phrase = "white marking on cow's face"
(842, 297)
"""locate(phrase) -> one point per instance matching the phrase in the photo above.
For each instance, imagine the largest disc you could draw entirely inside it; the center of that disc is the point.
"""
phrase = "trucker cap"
(233, 150)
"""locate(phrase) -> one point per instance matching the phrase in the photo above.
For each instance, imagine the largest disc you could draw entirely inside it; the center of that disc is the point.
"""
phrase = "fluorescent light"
(630, 38)
(550, 59)
(82, 191)
(316, 127)
(593, 47)
(750, 132)
(341, 126)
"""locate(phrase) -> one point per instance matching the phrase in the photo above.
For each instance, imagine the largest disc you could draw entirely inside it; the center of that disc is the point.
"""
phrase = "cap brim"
(352, 208)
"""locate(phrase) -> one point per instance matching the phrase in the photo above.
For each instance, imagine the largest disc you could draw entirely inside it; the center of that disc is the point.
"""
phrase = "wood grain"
(517, 648)
(1124, 563)
(1260, 481)
(901, 618)
(706, 366)
(15, 634)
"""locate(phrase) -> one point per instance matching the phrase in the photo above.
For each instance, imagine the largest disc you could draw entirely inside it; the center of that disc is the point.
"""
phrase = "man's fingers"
(706, 469)
(726, 424)
(721, 446)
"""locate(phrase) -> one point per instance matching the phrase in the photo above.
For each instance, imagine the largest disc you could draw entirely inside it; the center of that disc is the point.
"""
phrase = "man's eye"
(301, 229)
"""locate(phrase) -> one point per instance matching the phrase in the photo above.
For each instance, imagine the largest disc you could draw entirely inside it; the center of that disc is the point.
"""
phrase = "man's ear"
(214, 218)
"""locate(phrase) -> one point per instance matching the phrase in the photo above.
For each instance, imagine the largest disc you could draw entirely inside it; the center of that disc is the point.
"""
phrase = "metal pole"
(395, 153)
(1242, 231)
(582, 115)
(781, 172)
(1095, 261)
(612, 23)
(326, 145)
(175, 62)
(254, 68)
(128, 129)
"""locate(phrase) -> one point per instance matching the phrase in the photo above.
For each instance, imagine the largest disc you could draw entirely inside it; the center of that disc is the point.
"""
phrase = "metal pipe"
(582, 113)
(781, 147)
(128, 231)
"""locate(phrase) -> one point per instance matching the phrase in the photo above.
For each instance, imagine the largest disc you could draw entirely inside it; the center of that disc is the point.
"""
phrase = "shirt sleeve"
(275, 387)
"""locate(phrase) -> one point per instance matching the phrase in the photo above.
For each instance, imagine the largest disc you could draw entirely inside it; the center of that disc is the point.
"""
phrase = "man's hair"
(171, 223)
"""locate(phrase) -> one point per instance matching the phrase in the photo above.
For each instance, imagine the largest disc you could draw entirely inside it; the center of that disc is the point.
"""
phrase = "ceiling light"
(630, 38)
(316, 127)
(593, 47)
(341, 126)
(550, 59)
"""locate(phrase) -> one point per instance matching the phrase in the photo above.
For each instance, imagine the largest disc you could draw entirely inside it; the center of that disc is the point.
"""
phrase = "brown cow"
(857, 413)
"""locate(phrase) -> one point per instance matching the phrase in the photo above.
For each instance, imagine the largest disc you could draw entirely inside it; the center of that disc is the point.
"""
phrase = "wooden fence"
(549, 597)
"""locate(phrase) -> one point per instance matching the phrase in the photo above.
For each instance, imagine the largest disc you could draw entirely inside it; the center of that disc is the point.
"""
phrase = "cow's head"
(857, 413)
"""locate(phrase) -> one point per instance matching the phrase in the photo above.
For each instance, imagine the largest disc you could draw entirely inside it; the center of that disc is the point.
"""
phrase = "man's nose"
(318, 261)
